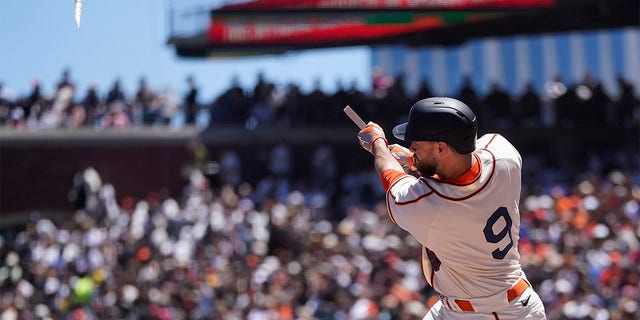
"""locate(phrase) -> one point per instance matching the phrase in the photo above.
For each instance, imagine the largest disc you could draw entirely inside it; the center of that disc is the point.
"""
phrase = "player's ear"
(441, 147)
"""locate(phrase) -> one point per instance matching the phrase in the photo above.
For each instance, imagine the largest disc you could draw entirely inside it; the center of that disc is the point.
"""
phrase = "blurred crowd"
(228, 249)
(559, 104)
(315, 246)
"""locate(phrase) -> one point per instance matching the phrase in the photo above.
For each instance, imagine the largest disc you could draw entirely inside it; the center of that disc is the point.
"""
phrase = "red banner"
(325, 27)
(384, 5)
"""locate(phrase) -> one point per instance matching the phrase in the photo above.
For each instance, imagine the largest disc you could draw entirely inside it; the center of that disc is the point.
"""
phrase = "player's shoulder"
(498, 146)
(409, 189)
(491, 140)
(494, 141)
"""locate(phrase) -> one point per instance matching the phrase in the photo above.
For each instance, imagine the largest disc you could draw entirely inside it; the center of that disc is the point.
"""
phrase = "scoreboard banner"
(258, 27)
(320, 29)
(293, 5)
(278, 24)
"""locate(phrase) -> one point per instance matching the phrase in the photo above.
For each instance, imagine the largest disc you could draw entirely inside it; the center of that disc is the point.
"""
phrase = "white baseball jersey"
(469, 226)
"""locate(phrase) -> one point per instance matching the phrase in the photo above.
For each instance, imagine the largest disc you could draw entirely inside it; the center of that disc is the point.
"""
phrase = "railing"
(188, 18)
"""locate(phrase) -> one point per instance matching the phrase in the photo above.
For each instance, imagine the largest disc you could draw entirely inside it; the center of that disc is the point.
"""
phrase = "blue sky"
(126, 39)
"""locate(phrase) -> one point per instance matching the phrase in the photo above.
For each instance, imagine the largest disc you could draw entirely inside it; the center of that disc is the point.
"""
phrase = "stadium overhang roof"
(262, 27)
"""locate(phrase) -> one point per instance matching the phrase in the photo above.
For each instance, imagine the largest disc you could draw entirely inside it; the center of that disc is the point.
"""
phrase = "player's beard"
(425, 167)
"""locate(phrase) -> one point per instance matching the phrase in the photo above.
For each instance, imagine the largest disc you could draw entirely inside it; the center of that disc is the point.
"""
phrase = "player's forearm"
(383, 159)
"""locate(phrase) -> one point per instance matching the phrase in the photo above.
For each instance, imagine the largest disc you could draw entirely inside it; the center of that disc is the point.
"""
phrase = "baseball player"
(458, 196)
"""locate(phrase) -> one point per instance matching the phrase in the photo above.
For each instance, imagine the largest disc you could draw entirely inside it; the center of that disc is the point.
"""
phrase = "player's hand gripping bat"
(400, 153)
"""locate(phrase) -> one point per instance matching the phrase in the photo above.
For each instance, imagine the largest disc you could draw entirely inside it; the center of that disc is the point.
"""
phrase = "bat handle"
(354, 117)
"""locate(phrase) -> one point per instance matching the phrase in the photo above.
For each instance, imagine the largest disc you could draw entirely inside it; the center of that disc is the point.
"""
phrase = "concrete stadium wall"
(37, 168)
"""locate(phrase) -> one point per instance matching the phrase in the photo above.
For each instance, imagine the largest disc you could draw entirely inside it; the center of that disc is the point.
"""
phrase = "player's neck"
(459, 165)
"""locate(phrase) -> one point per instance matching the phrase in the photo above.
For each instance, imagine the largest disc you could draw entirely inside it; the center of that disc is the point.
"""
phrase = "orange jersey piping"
(493, 169)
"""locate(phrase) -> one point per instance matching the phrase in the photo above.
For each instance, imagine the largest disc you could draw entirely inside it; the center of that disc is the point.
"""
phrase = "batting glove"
(404, 157)
(369, 134)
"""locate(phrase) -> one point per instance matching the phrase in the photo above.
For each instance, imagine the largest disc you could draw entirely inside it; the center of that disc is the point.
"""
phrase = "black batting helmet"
(441, 119)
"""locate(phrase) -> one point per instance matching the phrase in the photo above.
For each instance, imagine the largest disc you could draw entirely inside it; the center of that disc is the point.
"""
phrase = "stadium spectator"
(424, 90)
(168, 105)
(497, 107)
(590, 104)
(628, 104)
(392, 106)
(316, 105)
(92, 104)
(34, 99)
(469, 95)
(380, 83)
(115, 94)
(116, 117)
(232, 106)
(262, 89)
(4, 105)
(145, 103)
(293, 108)
(76, 117)
(528, 108)
(191, 101)
(65, 80)
(565, 103)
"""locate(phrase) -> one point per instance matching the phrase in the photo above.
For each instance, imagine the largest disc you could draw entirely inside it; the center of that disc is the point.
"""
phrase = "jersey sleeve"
(404, 205)
(389, 177)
